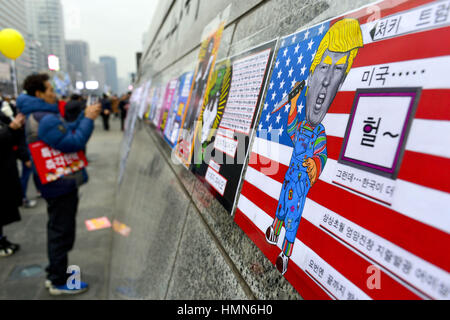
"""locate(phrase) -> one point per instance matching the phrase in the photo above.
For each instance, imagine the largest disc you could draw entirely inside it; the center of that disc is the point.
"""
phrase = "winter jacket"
(44, 123)
(10, 187)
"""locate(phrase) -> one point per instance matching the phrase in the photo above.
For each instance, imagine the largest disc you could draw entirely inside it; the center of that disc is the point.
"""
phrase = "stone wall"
(183, 244)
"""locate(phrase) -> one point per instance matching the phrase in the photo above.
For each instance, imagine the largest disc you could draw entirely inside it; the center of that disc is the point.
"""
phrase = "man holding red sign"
(59, 162)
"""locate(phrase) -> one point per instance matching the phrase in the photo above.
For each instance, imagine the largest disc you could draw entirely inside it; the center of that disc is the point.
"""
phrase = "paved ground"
(22, 276)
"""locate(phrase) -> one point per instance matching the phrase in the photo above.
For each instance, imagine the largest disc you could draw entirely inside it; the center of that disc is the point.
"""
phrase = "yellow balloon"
(12, 43)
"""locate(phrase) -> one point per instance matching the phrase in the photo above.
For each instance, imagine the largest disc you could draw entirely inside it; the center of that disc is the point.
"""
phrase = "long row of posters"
(344, 131)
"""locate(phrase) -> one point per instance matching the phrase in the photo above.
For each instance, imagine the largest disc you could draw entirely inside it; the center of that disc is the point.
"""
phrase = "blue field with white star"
(292, 65)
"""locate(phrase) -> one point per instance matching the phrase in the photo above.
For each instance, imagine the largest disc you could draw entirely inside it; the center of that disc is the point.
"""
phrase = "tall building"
(46, 25)
(38, 56)
(13, 15)
(37, 52)
(97, 73)
(110, 72)
(77, 54)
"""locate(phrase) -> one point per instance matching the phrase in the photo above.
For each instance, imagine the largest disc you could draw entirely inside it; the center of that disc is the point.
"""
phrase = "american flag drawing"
(345, 236)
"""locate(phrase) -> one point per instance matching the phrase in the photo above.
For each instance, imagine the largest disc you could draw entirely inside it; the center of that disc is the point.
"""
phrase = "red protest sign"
(52, 164)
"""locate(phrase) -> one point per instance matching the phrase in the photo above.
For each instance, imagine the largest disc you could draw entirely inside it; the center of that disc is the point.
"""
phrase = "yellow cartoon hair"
(344, 36)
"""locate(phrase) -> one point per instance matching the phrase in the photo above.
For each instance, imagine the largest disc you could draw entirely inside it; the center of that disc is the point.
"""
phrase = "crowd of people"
(112, 105)
(64, 126)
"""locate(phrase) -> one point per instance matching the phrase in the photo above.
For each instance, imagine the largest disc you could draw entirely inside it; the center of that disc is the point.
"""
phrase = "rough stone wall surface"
(184, 245)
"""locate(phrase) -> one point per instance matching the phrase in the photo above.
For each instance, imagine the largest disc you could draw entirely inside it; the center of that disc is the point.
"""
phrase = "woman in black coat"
(10, 187)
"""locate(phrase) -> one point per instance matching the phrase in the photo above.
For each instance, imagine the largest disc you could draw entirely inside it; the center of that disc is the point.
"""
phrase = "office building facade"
(77, 55)
(110, 64)
(13, 15)
(46, 25)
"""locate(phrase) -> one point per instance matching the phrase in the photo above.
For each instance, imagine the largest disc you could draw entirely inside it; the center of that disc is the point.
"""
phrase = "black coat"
(73, 110)
(106, 105)
(19, 140)
(10, 188)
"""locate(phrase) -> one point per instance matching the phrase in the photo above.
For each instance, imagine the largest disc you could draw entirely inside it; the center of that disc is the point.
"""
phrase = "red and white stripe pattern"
(343, 233)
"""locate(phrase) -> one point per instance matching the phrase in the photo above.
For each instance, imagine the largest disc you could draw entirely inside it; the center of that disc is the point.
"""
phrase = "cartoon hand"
(295, 99)
(312, 170)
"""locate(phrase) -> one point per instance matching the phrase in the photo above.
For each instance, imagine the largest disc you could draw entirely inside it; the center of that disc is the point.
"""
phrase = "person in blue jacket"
(44, 123)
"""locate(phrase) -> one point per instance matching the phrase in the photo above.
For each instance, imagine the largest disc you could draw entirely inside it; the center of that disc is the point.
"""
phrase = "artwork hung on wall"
(167, 103)
(133, 108)
(177, 109)
(156, 106)
(227, 120)
(205, 66)
(216, 98)
(342, 173)
(148, 103)
(144, 99)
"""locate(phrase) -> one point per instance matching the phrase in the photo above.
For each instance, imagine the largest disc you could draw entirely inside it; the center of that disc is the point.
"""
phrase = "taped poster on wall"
(176, 112)
(228, 118)
(205, 66)
(156, 106)
(167, 103)
(149, 103)
(212, 110)
(342, 174)
(130, 123)
(144, 99)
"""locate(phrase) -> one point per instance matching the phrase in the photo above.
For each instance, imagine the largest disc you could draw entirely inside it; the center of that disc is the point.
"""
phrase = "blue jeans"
(26, 172)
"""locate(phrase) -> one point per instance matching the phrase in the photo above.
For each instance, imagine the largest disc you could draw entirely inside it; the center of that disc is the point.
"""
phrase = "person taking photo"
(45, 124)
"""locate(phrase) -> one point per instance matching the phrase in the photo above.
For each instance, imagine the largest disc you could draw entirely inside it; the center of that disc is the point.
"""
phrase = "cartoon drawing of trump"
(330, 67)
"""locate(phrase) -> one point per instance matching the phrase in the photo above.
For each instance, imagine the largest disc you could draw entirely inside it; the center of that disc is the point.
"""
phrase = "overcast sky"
(111, 27)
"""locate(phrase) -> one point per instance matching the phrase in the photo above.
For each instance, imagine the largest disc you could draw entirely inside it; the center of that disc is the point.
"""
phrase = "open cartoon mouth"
(320, 100)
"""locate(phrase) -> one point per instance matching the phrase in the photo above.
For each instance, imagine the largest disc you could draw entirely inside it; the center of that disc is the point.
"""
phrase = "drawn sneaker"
(7, 248)
(65, 290)
(282, 263)
(271, 237)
